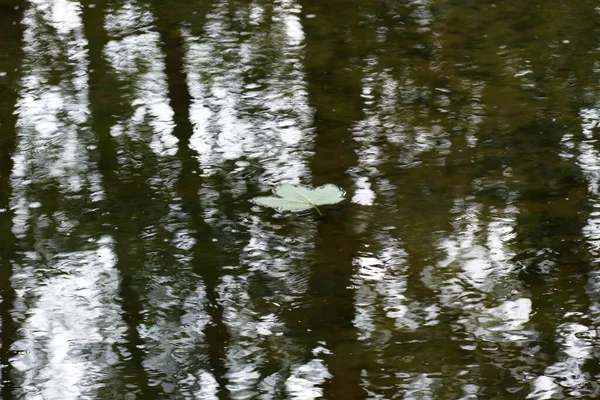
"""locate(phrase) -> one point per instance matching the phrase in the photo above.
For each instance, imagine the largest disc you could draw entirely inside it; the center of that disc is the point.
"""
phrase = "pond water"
(463, 264)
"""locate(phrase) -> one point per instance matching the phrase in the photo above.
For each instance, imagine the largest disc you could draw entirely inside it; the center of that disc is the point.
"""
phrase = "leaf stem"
(317, 208)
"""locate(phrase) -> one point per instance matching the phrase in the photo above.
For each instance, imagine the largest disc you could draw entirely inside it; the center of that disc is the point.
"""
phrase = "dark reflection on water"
(463, 264)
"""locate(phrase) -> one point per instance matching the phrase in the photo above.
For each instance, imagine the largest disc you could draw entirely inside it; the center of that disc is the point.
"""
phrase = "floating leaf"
(299, 198)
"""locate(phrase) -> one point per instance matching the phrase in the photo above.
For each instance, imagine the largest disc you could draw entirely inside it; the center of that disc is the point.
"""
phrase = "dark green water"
(464, 264)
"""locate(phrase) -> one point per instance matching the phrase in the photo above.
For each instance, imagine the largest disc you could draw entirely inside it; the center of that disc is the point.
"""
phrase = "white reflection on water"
(475, 282)
(138, 45)
(249, 94)
(395, 133)
(250, 105)
(305, 380)
(421, 13)
(52, 148)
(271, 277)
(566, 376)
(379, 128)
(578, 342)
(69, 342)
(418, 386)
(71, 339)
(386, 314)
(589, 161)
(173, 296)
(477, 272)
(381, 284)
(505, 322)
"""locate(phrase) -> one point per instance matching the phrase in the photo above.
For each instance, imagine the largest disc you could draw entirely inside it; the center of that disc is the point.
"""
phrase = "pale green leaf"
(299, 198)
(283, 204)
(326, 194)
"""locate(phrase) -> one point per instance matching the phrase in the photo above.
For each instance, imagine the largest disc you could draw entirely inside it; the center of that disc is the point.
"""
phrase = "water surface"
(464, 264)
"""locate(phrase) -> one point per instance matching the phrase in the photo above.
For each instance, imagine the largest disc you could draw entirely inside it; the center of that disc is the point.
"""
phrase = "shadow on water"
(104, 108)
(334, 89)
(11, 14)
